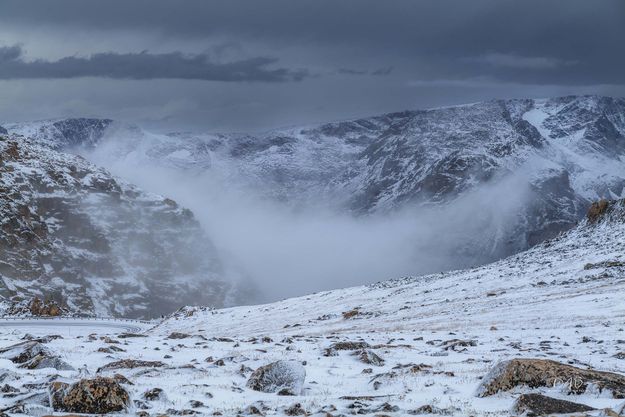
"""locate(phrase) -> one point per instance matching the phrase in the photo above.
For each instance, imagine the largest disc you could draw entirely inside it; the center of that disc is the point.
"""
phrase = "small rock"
(426, 409)
(350, 314)
(154, 394)
(178, 335)
(295, 410)
(369, 357)
(333, 349)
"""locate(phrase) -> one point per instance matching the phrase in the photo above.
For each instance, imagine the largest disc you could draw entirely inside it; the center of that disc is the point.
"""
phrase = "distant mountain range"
(569, 150)
(541, 161)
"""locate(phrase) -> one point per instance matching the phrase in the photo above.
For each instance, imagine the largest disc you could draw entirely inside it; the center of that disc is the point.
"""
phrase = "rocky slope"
(538, 333)
(559, 153)
(74, 234)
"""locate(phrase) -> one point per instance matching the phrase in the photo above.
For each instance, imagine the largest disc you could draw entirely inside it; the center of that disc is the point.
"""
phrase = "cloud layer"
(143, 66)
(350, 58)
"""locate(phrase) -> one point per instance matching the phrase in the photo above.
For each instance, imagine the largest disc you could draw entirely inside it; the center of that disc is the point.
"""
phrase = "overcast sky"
(253, 65)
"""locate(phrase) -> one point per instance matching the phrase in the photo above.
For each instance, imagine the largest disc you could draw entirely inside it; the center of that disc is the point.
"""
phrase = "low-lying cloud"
(288, 252)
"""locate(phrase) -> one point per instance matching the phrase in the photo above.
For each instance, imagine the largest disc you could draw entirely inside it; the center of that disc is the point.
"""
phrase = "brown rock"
(12, 151)
(94, 396)
(540, 405)
(44, 308)
(295, 410)
(153, 394)
(350, 314)
(36, 306)
(543, 373)
(131, 364)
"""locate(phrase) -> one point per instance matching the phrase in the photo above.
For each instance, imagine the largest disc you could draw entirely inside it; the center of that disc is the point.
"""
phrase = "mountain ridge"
(568, 150)
(95, 244)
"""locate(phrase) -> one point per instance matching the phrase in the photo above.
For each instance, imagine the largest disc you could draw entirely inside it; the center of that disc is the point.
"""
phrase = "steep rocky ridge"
(74, 234)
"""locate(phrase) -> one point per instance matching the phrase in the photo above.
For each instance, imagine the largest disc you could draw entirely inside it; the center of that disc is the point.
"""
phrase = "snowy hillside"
(561, 153)
(73, 233)
(579, 275)
(411, 346)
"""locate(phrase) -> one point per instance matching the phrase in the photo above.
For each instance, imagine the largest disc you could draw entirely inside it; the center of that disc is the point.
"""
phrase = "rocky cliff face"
(74, 234)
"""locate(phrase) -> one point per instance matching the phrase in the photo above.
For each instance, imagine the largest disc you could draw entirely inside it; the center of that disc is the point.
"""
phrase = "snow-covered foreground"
(437, 336)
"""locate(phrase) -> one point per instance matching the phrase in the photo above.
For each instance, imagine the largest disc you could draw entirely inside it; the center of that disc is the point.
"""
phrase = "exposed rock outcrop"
(37, 307)
(73, 236)
(536, 373)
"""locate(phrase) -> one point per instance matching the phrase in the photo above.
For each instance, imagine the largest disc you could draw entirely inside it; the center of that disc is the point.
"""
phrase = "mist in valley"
(285, 249)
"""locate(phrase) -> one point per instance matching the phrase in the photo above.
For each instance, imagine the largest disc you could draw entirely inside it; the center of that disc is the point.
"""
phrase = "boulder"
(33, 355)
(536, 373)
(93, 396)
(540, 405)
(283, 377)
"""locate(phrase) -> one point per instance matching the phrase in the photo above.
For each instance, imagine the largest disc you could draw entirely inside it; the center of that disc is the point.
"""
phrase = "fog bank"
(288, 251)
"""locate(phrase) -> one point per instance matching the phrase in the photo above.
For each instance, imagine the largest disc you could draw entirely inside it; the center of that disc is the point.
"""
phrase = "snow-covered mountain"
(538, 333)
(96, 244)
(559, 153)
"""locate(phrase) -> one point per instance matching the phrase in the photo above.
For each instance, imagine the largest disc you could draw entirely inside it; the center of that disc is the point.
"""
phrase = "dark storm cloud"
(353, 57)
(432, 39)
(142, 66)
